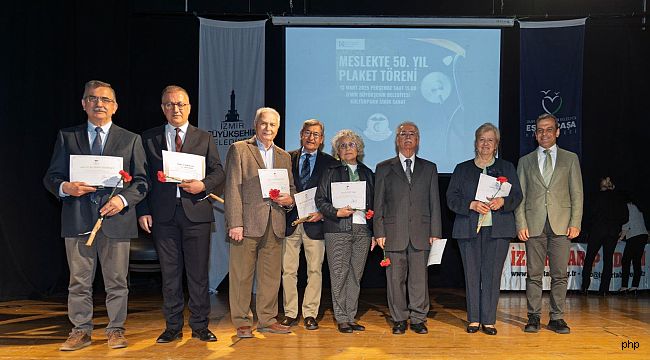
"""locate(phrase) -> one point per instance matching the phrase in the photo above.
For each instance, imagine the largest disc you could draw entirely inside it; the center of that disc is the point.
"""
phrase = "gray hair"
(482, 130)
(547, 116)
(263, 110)
(174, 88)
(347, 133)
(94, 84)
(399, 129)
(314, 122)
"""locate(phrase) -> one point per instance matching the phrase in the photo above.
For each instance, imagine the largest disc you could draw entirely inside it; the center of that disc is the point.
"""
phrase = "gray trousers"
(557, 248)
(113, 255)
(408, 266)
(346, 256)
(483, 259)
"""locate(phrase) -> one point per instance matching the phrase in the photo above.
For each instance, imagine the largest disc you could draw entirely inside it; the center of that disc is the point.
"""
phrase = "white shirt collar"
(105, 127)
(170, 127)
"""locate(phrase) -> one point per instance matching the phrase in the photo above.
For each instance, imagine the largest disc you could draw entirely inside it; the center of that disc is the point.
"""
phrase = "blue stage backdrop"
(551, 80)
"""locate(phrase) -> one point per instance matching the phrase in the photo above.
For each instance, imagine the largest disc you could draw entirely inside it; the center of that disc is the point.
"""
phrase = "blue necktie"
(305, 172)
(96, 148)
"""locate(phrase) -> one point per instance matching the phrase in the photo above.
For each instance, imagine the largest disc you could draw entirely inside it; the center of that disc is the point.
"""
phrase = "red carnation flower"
(274, 193)
(502, 179)
(161, 176)
(125, 175)
(385, 262)
(369, 214)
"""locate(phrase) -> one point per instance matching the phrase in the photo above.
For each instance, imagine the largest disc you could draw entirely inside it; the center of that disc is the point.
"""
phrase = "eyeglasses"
(308, 133)
(351, 145)
(406, 134)
(96, 99)
(171, 106)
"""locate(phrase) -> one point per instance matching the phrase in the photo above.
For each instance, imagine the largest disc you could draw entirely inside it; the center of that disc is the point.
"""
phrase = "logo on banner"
(551, 103)
(231, 129)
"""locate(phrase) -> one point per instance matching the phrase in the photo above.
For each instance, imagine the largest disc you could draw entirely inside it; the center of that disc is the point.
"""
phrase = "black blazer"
(79, 214)
(462, 191)
(338, 172)
(323, 161)
(161, 201)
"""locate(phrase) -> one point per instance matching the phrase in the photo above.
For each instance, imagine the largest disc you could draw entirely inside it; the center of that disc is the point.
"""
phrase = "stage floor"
(601, 328)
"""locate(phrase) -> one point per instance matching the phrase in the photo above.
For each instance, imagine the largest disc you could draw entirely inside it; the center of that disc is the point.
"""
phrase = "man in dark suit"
(180, 217)
(83, 204)
(256, 226)
(407, 221)
(548, 217)
(307, 165)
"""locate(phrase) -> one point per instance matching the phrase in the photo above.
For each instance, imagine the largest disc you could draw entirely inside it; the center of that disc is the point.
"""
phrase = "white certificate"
(437, 248)
(183, 166)
(96, 170)
(349, 193)
(489, 188)
(305, 202)
(274, 179)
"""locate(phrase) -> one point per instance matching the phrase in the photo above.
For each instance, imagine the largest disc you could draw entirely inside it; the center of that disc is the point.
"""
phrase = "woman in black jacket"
(348, 231)
(483, 248)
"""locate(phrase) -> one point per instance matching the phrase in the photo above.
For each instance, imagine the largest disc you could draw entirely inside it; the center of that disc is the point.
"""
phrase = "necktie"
(96, 148)
(409, 173)
(304, 171)
(548, 167)
(179, 142)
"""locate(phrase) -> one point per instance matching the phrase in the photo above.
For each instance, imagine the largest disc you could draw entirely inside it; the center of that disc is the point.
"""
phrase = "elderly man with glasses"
(308, 163)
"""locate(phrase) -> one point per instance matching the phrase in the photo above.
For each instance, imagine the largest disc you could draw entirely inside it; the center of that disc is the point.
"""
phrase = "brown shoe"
(116, 339)
(275, 328)
(78, 339)
(244, 332)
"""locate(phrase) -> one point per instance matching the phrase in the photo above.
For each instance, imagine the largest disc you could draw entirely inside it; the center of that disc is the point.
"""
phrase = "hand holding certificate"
(349, 193)
(94, 170)
(271, 179)
(490, 188)
(178, 165)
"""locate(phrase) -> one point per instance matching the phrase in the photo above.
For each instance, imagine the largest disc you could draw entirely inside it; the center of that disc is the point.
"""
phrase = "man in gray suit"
(83, 204)
(547, 218)
(407, 221)
(256, 226)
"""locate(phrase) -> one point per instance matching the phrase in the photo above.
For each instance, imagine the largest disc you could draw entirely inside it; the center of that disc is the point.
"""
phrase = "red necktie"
(179, 142)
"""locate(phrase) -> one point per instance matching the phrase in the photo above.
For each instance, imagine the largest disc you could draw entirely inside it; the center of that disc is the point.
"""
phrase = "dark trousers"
(184, 245)
(633, 253)
(607, 239)
(408, 270)
(483, 259)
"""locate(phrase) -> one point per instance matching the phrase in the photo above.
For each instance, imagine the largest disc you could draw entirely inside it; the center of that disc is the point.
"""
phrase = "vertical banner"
(551, 80)
(514, 272)
(231, 88)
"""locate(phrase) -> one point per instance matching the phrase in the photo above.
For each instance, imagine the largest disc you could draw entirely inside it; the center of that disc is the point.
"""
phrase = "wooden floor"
(599, 329)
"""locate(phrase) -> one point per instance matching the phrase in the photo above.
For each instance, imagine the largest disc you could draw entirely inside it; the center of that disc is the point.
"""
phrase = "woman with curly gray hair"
(348, 231)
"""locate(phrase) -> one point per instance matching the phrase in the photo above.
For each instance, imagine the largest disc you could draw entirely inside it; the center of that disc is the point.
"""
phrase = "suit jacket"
(561, 200)
(407, 212)
(462, 190)
(79, 214)
(244, 203)
(161, 201)
(313, 229)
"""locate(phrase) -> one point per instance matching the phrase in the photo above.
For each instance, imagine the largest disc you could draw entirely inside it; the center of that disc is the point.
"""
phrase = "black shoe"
(311, 323)
(490, 330)
(399, 327)
(169, 335)
(356, 327)
(345, 328)
(533, 324)
(204, 335)
(289, 321)
(559, 326)
(472, 328)
(419, 328)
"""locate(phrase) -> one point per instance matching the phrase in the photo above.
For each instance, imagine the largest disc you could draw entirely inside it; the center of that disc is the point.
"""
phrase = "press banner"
(551, 54)
(514, 272)
(231, 88)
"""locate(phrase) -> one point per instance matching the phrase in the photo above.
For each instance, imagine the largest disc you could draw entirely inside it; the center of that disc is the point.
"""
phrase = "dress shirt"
(541, 157)
(267, 154)
(402, 160)
(312, 160)
(170, 138)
